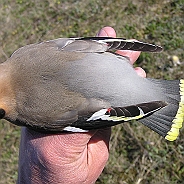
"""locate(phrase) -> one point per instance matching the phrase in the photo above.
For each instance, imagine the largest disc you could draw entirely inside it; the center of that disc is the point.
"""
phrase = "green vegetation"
(137, 155)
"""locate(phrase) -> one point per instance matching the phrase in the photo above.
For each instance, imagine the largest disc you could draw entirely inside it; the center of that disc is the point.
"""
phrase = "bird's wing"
(111, 116)
(102, 44)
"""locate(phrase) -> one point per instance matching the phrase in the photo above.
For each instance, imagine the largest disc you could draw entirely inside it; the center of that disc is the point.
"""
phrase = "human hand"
(67, 157)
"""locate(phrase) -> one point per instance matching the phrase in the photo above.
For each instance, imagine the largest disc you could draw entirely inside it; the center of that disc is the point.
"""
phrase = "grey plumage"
(61, 83)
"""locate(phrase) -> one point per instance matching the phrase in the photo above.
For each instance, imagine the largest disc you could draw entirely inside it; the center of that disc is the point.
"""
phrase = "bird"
(82, 84)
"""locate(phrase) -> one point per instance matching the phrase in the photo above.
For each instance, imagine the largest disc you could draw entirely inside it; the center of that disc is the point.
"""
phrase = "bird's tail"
(168, 121)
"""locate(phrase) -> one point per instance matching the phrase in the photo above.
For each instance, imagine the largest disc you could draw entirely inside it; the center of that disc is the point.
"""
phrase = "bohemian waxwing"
(78, 84)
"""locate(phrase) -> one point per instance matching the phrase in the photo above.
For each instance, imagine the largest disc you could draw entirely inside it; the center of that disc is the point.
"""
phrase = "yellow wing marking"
(123, 118)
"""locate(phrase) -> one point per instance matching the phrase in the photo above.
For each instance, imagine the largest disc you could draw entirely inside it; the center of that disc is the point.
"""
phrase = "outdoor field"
(137, 154)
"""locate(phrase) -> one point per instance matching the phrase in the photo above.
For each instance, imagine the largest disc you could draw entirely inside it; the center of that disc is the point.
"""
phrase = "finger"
(98, 152)
(107, 31)
(132, 55)
(62, 141)
(140, 71)
(110, 32)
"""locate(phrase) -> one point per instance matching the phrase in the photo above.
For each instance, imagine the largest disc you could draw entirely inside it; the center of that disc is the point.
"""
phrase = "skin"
(67, 157)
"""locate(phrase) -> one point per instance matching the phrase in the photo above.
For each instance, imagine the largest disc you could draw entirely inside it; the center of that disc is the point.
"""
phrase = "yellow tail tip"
(179, 118)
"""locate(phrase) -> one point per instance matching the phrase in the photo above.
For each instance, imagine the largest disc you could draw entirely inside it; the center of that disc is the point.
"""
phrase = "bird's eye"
(2, 113)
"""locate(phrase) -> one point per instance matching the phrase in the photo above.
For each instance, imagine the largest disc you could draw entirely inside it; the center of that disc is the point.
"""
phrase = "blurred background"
(137, 154)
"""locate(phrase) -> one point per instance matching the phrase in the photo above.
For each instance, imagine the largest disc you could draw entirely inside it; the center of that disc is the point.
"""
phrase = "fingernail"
(102, 33)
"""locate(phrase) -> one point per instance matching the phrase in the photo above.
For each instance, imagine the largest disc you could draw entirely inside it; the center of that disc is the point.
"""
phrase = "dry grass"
(138, 155)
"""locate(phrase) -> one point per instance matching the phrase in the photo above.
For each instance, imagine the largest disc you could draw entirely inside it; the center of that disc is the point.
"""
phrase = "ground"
(137, 154)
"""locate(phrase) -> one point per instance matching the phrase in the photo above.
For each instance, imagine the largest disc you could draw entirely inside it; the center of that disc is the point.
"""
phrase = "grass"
(137, 155)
